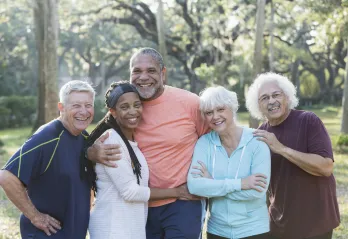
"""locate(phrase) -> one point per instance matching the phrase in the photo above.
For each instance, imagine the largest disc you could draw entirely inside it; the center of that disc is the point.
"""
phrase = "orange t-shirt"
(167, 135)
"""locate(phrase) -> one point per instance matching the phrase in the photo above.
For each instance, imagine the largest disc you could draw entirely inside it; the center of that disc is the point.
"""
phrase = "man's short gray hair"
(74, 85)
(252, 98)
(156, 56)
(218, 96)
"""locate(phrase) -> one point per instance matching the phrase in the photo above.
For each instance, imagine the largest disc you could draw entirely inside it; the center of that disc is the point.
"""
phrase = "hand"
(202, 171)
(46, 223)
(104, 153)
(184, 194)
(256, 181)
(270, 139)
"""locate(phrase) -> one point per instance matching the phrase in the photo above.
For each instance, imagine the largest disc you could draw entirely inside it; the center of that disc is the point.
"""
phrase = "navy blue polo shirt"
(48, 164)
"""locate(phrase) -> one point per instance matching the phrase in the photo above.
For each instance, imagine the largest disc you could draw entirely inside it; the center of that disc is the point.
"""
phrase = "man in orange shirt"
(170, 127)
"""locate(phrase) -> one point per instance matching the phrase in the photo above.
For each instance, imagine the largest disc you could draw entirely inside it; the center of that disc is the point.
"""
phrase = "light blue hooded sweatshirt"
(234, 213)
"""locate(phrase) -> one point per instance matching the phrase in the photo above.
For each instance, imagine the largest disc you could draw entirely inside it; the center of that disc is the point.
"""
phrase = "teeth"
(218, 123)
(274, 108)
(145, 85)
(82, 119)
(132, 120)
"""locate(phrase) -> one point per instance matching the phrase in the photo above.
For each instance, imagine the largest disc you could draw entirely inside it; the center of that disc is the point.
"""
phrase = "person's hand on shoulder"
(104, 153)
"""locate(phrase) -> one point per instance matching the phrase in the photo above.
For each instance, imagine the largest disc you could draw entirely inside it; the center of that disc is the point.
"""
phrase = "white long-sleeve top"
(120, 209)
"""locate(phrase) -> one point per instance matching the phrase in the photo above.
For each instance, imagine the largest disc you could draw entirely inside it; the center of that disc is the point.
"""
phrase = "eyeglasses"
(277, 95)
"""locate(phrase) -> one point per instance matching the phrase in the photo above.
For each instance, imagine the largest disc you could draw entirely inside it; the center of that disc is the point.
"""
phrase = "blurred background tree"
(207, 42)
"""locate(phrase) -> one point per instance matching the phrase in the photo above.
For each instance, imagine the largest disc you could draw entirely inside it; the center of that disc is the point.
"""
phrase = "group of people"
(163, 160)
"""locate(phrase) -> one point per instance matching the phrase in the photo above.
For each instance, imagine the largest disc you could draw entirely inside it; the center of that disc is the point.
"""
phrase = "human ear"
(113, 113)
(60, 106)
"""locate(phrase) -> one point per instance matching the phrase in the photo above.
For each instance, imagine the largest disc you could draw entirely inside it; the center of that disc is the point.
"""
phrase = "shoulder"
(206, 139)
(114, 137)
(254, 143)
(182, 95)
(48, 132)
(306, 117)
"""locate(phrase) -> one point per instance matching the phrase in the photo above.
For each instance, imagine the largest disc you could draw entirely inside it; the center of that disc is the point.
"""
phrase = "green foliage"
(99, 110)
(342, 140)
(17, 111)
(309, 86)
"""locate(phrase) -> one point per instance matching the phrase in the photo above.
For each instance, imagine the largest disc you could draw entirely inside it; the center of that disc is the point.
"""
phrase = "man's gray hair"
(156, 56)
(74, 85)
(218, 96)
(252, 98)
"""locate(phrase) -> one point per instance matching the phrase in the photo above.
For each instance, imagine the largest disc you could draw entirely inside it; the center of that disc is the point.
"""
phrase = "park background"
(45, 43)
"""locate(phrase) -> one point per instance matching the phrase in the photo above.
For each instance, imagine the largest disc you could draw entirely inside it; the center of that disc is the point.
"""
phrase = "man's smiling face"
(147, 77)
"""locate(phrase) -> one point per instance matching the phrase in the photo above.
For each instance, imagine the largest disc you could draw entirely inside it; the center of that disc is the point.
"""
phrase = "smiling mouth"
(274, 109)
(145, 85)
(82, 119)
(218, 123)
(133, 120)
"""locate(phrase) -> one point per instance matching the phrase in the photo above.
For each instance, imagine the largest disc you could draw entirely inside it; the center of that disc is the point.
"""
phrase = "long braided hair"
(112, 95)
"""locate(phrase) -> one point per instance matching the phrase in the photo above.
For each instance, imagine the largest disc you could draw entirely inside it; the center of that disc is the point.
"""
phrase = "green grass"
(331, 117)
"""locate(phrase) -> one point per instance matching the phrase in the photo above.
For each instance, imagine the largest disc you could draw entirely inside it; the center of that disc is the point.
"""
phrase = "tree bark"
(161, 35)
(344, 123)
(260, 22)
(46, 32)
(271, 37)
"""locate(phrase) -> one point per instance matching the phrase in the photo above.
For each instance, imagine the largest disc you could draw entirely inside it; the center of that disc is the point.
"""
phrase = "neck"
(128, 133)
(67, 127)
(231, 137)
(278, 121)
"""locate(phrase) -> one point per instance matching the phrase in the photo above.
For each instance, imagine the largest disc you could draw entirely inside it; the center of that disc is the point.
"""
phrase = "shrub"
(342, 140)
(17, 111)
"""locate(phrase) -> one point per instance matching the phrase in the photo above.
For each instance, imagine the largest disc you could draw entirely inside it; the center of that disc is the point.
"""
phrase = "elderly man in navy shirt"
(45, 179)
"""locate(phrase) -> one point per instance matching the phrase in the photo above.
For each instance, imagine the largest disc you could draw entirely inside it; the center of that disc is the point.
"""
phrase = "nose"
(215, 115)
(271, 100)
(143, 76)
(84, 110)
(132, 111)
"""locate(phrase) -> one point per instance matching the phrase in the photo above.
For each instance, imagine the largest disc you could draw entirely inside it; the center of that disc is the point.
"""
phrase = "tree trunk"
(344, 124)
(271, 37)
(260, 22)
(46, 32)
(295, 77)
(161, 35)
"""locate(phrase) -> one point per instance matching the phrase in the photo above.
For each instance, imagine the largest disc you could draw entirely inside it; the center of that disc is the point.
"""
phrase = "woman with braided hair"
(120, 209)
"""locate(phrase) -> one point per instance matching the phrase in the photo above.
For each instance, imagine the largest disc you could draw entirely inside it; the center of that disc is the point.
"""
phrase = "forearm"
(311, 163)
(17, 194)
(163, 193)
(206, 187)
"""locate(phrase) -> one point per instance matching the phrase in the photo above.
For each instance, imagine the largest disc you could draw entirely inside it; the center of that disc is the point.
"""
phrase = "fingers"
(203, 165)
(108, 163)
(102, 138)
(261, 175)
(197, 174)
(257, 189)
(48, 224)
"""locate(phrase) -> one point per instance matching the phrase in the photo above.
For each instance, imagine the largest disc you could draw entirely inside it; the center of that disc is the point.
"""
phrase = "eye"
(136, 71)
(76, 105)
(208, 113)
(124, 107)
(264, 98)
(221, 110)
(276, 95)
(152, 70)
(137, 105)
(89, 106)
